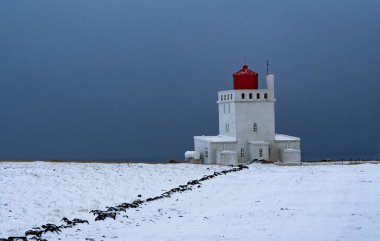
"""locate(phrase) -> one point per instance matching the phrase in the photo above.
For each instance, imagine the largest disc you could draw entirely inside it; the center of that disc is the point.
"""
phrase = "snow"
(259, 142)
(282, 137)
(219, 138)
(265, 202)
(291, 150)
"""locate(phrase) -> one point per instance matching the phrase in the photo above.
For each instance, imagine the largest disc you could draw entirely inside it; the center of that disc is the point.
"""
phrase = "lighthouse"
(246, 126)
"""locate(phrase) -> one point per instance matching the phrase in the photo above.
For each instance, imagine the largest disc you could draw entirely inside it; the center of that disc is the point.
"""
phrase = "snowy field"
(265, 202)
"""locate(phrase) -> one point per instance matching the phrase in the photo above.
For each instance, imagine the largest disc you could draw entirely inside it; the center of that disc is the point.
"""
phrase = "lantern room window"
(243, 96)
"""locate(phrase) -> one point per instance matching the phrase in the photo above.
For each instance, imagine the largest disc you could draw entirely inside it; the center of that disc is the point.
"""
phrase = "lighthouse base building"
(246, 127)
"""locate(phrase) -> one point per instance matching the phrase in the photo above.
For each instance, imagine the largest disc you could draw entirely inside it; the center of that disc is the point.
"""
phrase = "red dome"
(245, 79)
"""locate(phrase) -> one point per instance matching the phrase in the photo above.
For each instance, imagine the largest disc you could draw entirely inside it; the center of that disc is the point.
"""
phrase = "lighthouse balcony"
(245, 95)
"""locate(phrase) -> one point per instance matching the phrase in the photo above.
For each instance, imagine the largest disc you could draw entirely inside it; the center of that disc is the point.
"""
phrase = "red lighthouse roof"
(245, 79)
(245, 71)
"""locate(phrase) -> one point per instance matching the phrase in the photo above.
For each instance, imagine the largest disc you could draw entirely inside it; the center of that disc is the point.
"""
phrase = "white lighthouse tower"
(246, 127)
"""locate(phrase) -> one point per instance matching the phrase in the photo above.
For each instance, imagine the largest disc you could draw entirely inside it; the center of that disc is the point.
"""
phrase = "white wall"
(290, 156)
(241, 113)
(254, 152)
(214, 148)
(248, 113)
(219, 147)
(226, 113)
(282, 145)
(201, 146)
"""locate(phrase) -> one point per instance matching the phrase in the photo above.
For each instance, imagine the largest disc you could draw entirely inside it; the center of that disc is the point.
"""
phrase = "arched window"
(261, 152)
(221, 97)
(242, 152)
(225, 97)
(266, 96)
(258, 95)
(250, 95)
(231, 96)
(254, 127)
(243, 96)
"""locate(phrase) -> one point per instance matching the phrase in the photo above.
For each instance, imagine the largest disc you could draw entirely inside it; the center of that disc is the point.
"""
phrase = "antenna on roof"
(268, 67)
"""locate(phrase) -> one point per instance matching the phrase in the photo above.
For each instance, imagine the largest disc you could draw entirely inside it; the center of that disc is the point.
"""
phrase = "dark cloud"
(138, 79)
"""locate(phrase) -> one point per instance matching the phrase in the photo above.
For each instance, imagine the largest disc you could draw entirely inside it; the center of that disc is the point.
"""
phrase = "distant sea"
(306, 156)
(340, 156)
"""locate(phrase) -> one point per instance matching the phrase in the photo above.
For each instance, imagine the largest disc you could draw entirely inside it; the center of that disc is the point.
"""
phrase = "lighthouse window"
(242, 152)
(206, 152)
(254, 127)
(269, 151)
(258, 95)
(229, 108)
(266, 95)
(231, 96)
(224, 109)
(261, 152)
(250, 95)
(243, 96)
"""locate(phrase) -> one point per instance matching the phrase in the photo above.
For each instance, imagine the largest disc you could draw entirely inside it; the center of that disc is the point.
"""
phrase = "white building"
(246, 127)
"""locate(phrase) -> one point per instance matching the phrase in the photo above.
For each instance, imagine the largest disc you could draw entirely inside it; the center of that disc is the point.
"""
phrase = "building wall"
(254, 152)
(217, 148)
(290, 156)
(202, 147)
(282, 145)
(213, 148)
(249, 114)
(227, 124)
(227, 158)
(239, 110)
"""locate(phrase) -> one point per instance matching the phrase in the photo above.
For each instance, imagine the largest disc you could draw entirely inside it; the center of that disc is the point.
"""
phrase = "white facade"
(247, 130)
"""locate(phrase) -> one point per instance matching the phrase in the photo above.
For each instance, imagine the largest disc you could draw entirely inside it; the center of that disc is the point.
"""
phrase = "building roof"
(291, 150)
(282, 137)
(245, 71)
(258, 143)
(219, 139)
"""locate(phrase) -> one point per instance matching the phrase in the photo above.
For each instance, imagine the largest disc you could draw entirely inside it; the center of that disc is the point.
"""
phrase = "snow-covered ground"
(265, 202)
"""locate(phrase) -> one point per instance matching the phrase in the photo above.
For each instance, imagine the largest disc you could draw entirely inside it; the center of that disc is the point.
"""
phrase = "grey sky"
(110, 80)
